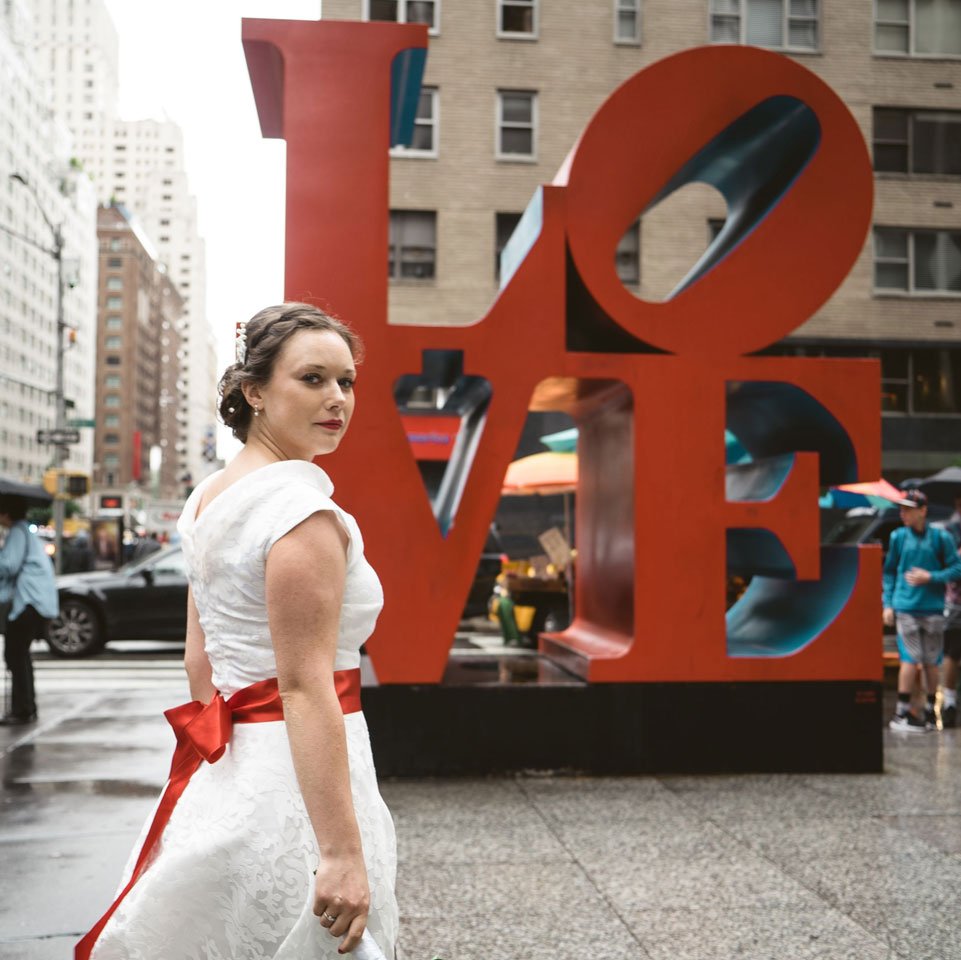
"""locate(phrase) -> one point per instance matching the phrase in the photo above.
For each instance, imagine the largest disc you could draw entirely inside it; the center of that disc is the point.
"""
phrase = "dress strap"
(203, 732)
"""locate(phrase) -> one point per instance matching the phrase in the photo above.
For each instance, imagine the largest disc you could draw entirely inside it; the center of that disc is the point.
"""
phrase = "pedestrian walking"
(271, 839)
(920, 562)
(28, 591)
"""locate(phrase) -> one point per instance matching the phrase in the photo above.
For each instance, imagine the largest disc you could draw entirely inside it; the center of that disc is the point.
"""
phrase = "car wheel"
(76, 632)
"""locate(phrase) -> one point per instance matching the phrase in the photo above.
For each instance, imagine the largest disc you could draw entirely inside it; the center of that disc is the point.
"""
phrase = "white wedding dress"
(232, 877)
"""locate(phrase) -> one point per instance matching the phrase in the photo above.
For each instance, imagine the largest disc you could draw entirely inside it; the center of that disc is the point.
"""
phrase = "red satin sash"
(203, 732)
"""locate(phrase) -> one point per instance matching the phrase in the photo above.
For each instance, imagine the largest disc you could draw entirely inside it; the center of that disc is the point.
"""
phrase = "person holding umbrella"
(28, 586)
(920, 561)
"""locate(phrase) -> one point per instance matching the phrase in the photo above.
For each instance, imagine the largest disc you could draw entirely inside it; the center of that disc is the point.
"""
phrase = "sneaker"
(949, 717)
(908, 723)
(930, 719)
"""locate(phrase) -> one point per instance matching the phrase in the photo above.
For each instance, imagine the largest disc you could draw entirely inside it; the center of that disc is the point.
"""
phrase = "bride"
(271, 839)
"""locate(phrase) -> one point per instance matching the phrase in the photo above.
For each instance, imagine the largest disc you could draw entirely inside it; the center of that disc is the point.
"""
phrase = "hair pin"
(240, 342)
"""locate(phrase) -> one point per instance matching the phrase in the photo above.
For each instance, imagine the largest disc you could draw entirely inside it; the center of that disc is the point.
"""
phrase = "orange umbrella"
(544, 473)
(876, 488)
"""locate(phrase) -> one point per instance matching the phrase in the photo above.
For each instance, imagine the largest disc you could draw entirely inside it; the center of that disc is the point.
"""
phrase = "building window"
(111, 461)
(115, 323)
(114, 283)
(517, 18)
(917, 28)
(111, 420)
(917, 261)
(413, 245)
(426, 127)
(935, 381)
(114, 263)
(113, 361)
(112, 381)
(895, 381)
(116, 243)
(627, 21)
(516, 124)
(917, 141)
(113, 343)
(627, 257)
(114, 303)
(405, 11)
(111, 400)
(776, 24)
(111, 438)
(921, 381)
(504, 225)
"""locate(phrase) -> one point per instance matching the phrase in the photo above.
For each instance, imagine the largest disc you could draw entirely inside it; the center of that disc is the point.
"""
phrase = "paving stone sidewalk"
(535, 867)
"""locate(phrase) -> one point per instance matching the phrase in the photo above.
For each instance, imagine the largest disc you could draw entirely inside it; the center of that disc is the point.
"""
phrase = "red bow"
(203, 732)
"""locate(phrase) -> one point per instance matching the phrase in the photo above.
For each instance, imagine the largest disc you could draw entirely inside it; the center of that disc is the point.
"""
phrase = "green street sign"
(81, 423)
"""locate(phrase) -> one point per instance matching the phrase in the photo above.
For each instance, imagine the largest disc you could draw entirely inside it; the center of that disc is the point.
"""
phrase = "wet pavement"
(535, 867)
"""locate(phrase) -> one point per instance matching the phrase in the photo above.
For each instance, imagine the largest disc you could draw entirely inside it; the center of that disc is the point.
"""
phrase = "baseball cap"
(914, 498)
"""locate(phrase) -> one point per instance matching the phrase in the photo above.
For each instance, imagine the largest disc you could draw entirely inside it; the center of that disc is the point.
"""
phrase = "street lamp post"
(61, 450)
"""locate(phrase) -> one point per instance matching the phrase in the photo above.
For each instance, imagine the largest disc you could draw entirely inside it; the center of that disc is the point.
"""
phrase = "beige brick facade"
(573, 64)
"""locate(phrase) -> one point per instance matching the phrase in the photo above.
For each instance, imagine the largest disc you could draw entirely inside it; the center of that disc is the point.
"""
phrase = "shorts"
(920, 638)
(952, 632)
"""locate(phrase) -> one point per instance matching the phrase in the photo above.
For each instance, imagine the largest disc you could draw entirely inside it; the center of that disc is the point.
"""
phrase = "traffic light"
(64, 485)
(78, 484)
(50, 481)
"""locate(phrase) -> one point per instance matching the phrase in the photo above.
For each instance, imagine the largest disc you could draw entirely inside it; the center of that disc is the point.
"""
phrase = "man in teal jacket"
(920, 562)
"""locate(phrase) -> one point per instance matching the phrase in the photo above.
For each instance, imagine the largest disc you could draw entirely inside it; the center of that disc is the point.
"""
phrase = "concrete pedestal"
(492, 716)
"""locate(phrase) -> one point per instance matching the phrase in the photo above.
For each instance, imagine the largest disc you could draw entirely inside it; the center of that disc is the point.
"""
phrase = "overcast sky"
(183, 59)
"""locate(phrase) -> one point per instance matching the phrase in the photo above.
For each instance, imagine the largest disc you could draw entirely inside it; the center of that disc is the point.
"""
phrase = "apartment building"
(39, 189)
(510, 84)
(77, 51)
(138, 378)
(139, 164)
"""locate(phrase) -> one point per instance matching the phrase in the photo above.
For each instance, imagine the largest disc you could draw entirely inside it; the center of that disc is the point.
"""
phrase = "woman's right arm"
(305, 575)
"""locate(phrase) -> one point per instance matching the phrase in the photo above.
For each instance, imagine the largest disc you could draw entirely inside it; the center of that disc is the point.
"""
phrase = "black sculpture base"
(548, 720)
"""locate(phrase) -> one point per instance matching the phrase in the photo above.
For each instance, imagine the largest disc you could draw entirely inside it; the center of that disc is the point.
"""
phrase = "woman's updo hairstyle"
(266, 334)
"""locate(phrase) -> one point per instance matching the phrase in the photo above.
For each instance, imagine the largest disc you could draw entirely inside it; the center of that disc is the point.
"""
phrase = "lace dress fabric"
(232, 877)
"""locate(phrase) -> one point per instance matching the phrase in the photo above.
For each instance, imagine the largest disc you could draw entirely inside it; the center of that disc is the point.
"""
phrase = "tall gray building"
(39, 183)
(140, 164)
(510, 84)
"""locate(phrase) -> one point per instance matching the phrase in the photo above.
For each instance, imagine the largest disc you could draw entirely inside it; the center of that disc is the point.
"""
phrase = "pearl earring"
(256, 411)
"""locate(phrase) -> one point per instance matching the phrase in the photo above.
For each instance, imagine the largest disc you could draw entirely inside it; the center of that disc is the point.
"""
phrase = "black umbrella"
(942, 487)
(34, 496)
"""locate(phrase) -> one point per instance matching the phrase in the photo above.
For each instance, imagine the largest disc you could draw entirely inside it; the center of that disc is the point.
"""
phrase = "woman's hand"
(342, 898)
